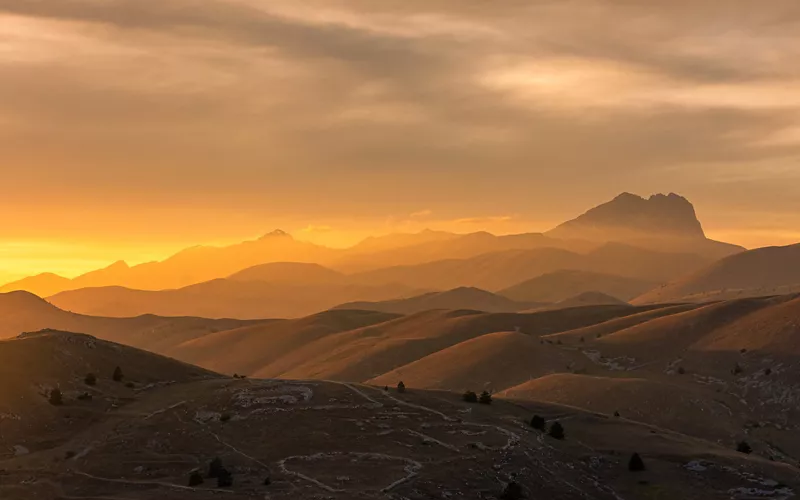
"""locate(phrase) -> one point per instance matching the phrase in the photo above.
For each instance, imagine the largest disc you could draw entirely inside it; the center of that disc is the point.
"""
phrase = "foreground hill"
(760, 272)
(34, 364)
(238, 297)
(459, 298)
(310, 439)
(563, 284)
(24, 312)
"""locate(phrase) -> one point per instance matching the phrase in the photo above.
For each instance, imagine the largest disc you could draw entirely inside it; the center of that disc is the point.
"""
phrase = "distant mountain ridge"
(661, 223)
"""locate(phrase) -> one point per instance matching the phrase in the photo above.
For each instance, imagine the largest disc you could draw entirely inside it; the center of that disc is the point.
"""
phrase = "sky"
(132, 128)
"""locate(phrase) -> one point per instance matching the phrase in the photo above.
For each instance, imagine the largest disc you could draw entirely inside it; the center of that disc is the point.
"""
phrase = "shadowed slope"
(561, 285)
(760, 272)
(494, 362)
(458, 298)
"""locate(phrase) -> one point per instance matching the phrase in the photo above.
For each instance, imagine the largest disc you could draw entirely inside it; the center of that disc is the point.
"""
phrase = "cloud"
(316, 229)
(421, 214)
(358, 107)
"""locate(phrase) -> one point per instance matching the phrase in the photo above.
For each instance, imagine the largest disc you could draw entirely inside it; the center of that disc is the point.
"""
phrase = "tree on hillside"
(743, 447)
(401, 387)
(55, 397)
(117, 377)
(737, 369)
(636, 464)
(557, 431)
(90, 379)
(470, 397)
(538, 423)
(214, 467)
(512, 491)
(486, 398)
(224, 479)
(196, 479)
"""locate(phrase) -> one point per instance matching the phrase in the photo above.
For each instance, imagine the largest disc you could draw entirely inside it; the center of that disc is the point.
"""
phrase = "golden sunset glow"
(131, 129)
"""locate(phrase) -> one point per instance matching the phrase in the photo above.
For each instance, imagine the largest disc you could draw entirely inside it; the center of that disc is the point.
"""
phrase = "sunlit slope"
(760, 272)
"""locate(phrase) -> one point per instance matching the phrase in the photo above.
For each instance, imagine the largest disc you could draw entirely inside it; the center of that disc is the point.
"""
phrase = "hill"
(25, 312)
(489, 362)
(223, 298)
(290, 273)
(458, 298)
(760, 272)
(563, 284)
(586, 299)
(501, 270)
(312, 439)
(33, 364)
(43, 285)
(660, 222)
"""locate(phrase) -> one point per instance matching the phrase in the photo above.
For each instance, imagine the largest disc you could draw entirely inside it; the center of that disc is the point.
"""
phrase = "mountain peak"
(629, 216)
(277, 233)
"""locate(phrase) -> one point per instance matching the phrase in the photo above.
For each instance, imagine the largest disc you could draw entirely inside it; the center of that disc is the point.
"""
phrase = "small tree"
(512, 491)
(225, 417)
(196, 479)
(90, 379)
(616, 414)
(486, 398)
(743, 447)
(470, 397)
(557, 431)
(117, 377)
(636, 464)
(681, 370)
(56, 398)
(538, 423)
(736, 369)
(401, 387)
(224, 479)
(214, 467)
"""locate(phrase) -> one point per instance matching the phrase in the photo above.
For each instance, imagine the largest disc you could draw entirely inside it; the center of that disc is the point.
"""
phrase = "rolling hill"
(458, 298)
(560, 285)
(24, 312)
(760, 272)
(313, 439)
(226, 298)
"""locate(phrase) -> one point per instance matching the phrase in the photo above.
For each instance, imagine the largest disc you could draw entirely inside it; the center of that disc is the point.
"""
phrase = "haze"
(133, 128)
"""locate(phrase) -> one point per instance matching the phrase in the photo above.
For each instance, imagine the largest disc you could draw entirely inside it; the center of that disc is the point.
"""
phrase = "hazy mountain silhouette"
(459, 298)
(561, 285)
(663, 222)
(759, 272)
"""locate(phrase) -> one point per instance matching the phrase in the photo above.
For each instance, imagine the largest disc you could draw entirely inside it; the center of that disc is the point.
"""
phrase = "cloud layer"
(329, 109)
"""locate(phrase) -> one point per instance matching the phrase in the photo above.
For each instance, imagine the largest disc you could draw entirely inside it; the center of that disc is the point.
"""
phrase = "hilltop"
(310, 439)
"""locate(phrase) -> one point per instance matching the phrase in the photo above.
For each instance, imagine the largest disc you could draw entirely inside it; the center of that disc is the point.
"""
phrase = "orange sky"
(132, 128)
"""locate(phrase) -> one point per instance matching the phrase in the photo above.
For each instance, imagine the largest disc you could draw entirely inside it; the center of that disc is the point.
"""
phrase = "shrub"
(117, 377)
(70, 454)
(635, 464)
(470, 397)
(743, 447)
(736, 369)
(267, 481)
(616, 414)
(196, 479)
(224, 479)
(557, 431)
(582, 340)
(90, 379)
(386, 388)
(485, 399)
(85, 397)
(130, 385)
(56, 399)
(224, 417)
(214, 467)
(681, 370)
(768, 371)
(538, 423)
(512, 491)
(401, 387)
